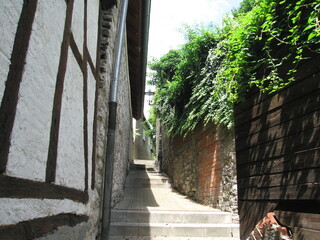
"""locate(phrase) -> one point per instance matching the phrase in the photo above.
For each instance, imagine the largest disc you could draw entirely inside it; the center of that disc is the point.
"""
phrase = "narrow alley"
(151, 209)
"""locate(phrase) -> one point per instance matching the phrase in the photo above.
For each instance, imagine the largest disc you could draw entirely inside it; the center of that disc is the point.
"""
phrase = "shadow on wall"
(277, 139)
(202, 166)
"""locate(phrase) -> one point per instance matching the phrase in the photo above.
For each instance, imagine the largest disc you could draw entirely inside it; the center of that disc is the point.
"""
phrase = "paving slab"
(151, 209)
(154, 197)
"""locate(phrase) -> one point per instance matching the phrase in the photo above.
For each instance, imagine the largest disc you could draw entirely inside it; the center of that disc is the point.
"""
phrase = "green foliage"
(245, 6)
(175, 75)
(201, 81)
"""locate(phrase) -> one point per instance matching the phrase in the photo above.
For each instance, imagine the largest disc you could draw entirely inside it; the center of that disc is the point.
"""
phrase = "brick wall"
(202, 166)
(209, 168)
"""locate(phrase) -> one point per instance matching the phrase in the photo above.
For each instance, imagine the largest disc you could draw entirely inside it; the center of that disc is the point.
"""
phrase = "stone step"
(172, 238)
(138, 216)
(142, 165)
(152, 179)
(145, 175)
(150, 182)
(173, 230)
(147, 185)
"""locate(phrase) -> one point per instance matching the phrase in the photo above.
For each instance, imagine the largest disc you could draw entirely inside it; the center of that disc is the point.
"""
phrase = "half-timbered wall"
(49, 116)
(277, 146)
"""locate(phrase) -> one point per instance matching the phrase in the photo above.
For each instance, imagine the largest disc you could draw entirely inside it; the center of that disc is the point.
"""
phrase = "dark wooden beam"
(10, 97)
(56, 111)
(12, 187)
(36, 228)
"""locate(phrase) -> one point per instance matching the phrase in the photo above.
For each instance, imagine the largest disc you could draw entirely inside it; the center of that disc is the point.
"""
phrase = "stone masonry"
(124, 117)
(202, 166)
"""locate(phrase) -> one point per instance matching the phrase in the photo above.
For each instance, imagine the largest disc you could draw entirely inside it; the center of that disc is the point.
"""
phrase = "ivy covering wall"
(201, 82)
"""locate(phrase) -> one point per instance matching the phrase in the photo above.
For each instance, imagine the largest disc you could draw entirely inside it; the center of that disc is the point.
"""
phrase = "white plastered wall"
(77, 23)
(70, 161)
(92, 28)
(9, 17)
(92, 39)
(31, 130)
(13, 211)
(91, 99)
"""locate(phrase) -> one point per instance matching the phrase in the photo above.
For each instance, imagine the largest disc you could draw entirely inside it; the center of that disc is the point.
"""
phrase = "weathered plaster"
(77, 23)
(9, 16)
(31, 130)
(15, 210)
(91, 99)
(106, 64)
(92, 22)
(70, 161)
(77, 232)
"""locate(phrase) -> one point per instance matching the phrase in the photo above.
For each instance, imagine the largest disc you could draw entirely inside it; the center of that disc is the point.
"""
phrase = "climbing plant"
(202, 81)
(176, 75)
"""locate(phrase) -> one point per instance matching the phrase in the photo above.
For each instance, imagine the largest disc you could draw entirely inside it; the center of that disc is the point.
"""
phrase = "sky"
(168, 16)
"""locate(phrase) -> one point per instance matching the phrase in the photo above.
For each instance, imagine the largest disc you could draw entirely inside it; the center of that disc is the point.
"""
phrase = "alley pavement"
(151, 209)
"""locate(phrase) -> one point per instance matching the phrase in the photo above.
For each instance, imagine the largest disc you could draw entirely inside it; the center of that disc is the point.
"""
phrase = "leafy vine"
(201, 82)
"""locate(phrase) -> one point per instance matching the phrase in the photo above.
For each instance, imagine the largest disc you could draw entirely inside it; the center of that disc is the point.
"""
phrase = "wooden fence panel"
(278, 151)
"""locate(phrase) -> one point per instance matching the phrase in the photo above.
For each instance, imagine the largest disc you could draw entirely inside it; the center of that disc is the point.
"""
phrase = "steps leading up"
(172, 229)
(138, 216)
(152, 210)
(173, 238)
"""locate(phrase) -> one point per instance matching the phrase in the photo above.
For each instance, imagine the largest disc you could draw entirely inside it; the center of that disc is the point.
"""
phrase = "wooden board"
(278, 150)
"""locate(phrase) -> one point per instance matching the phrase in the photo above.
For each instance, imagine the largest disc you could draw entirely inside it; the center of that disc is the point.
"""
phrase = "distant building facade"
(143, 145)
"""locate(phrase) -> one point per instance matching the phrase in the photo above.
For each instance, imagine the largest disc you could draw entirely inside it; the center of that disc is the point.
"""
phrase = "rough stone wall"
(124, 116)
(228, 198)
(108, 25)
(123, 141)
(184, 165)
(202, 166)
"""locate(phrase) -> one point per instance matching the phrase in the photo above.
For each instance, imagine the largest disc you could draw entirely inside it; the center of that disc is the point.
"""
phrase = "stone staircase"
(150, 209)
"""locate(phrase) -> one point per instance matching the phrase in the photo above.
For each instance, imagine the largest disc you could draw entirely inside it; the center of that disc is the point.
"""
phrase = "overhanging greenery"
(201, 81)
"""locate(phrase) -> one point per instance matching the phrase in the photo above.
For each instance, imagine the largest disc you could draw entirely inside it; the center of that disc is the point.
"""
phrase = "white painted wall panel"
(13, 211)
(93, 17)
(91, 98)
(9, 16)
(70, 162)
(77, 26)
(31, 131)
